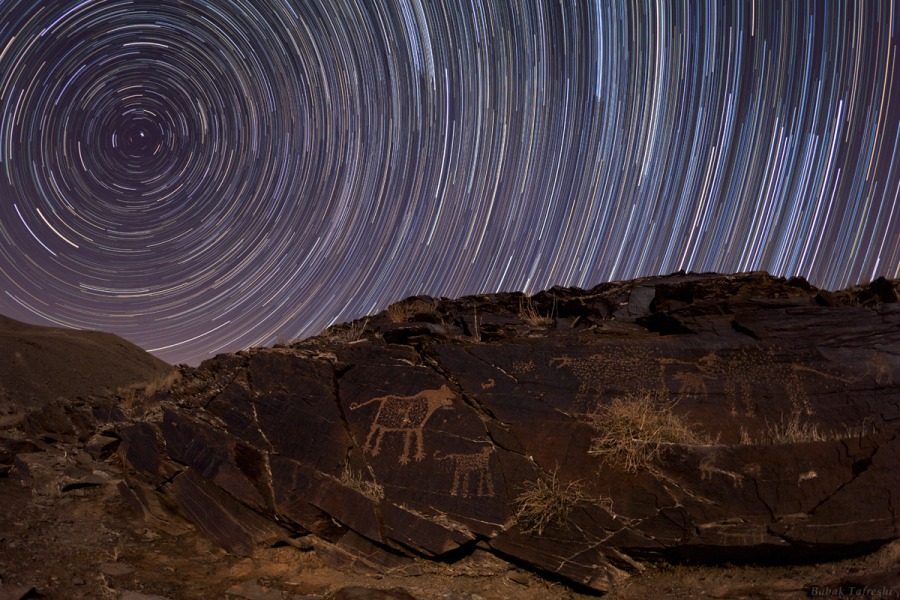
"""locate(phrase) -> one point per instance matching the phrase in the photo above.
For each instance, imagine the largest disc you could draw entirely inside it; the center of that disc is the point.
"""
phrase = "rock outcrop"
(580, 433)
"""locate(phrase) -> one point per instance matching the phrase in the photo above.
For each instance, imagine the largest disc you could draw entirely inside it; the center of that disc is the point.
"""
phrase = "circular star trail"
(202, 176)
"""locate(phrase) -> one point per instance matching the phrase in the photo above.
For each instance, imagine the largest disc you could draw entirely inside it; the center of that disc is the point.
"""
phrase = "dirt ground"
(87, 542)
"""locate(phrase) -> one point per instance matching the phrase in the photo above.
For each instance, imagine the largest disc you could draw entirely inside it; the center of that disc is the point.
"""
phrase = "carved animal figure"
(406, 415)
(467, 465)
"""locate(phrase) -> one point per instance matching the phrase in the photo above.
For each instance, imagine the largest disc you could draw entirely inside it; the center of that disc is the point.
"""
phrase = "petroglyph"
(708, 469)
(742, 371)
(742, 374)
(796, 389)
(624, 371)
(406, 415)
(467, 467)
(807, 476)
(692, 382)
(522, 366)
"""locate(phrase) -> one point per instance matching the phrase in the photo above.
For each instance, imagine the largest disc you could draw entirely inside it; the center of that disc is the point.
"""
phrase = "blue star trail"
(203, 176)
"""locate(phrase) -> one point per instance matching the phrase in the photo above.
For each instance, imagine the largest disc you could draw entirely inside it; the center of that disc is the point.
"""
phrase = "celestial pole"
(204, 176)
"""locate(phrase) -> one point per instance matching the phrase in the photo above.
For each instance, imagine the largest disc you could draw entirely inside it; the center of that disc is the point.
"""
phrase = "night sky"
(203, 176)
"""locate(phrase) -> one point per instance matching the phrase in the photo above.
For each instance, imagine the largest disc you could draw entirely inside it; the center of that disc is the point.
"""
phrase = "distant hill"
(40, 364)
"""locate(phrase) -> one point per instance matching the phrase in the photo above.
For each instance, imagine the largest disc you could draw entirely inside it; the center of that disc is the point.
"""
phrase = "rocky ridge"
(589, 437)
(441, 429)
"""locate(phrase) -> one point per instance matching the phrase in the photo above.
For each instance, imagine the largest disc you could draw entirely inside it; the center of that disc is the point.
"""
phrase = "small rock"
(101, 446)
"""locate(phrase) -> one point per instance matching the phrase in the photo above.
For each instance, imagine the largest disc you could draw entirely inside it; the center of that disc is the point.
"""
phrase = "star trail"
(203, 176)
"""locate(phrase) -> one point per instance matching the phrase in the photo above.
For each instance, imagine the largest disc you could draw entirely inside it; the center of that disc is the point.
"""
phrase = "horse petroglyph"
(406, 415)
(467, 466)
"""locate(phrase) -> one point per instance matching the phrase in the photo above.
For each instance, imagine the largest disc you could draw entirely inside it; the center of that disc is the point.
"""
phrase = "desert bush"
(136, 393)
(347, 332)
(403, 311)
(162, 383)
(371, 489)
(634, 430)
(529, 313)
(546, 500)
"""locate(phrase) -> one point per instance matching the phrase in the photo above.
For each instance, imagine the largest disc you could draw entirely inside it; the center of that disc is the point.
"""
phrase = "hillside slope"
(40, 364)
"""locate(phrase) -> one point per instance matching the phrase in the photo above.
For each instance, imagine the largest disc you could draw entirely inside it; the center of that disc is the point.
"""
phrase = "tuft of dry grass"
(634, 430)
(163, 383)
(370, 489)
(403, 311)
(529, 313)
(793, 429)
(347, 332)
(545, 501)
(138, 392)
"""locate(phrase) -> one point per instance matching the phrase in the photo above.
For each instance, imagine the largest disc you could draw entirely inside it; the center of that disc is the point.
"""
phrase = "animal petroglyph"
(692, 382)
(468, 466)
(406, 415)
(629, 371)
(743, 371)
(522, 366)
(743, 374)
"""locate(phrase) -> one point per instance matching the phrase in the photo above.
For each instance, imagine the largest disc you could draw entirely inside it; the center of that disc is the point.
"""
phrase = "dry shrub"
(634, 430)
(135, 393)
(529, 313)
(403, 311)
(163, 383)
(546, 500)
(795, 430)
(371, 489)
(347, 332)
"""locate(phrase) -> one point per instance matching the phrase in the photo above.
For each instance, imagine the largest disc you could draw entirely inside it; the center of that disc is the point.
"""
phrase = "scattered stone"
(101, 446)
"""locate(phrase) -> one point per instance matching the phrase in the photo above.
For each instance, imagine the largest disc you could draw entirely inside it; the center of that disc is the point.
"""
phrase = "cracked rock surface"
(420, 431)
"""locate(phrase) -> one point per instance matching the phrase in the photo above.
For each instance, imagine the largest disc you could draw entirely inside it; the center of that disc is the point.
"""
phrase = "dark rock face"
(474, 427)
